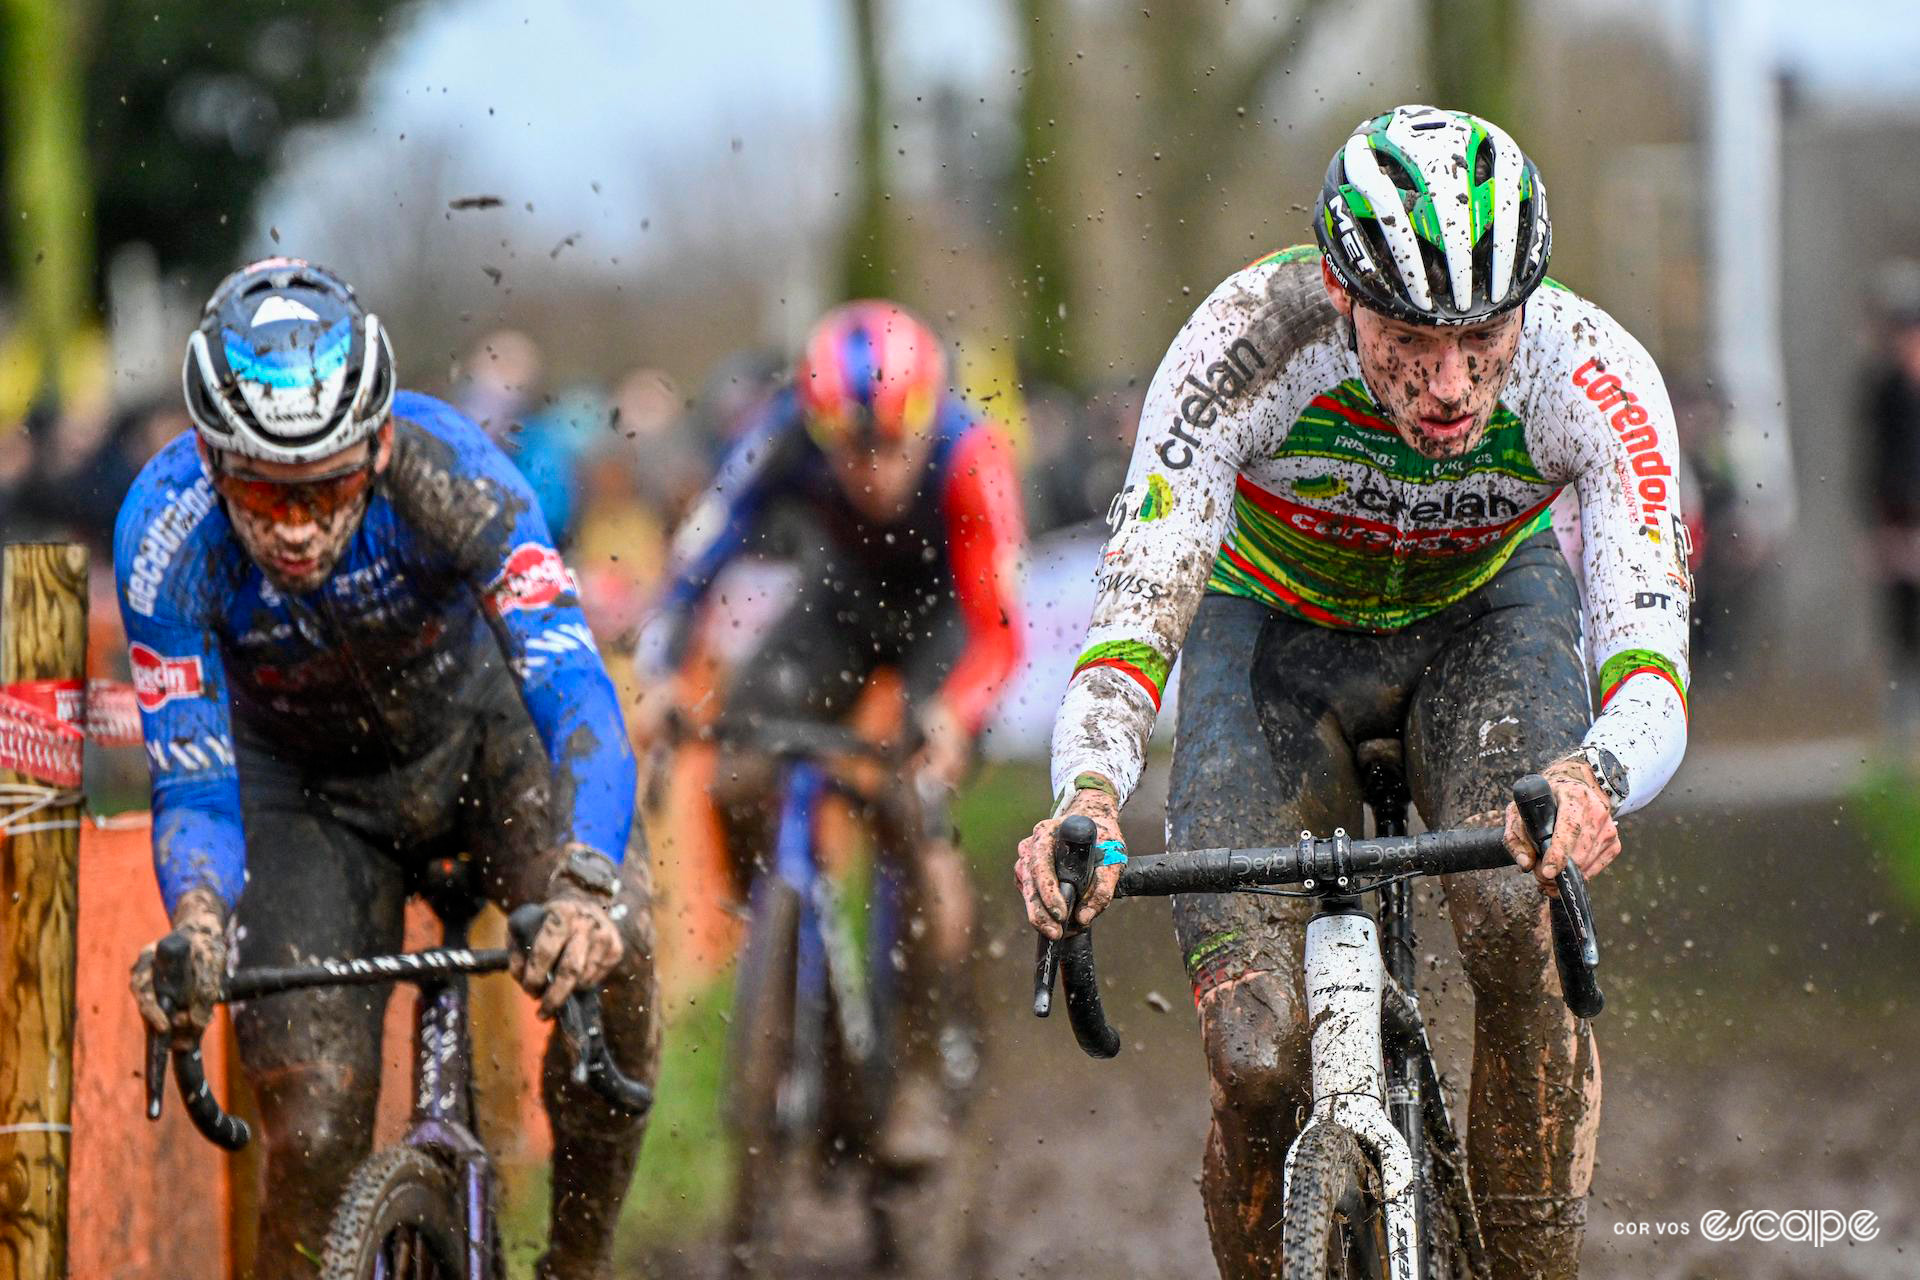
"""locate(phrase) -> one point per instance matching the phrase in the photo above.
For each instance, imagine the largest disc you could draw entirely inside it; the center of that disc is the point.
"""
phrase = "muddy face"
(298, 552)
(1439, 385)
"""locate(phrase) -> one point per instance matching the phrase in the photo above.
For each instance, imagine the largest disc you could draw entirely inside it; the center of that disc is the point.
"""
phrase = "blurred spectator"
(99, 482)
(1890, 413)
(16, 463)
(659, 433)
(44, 456)
(727, 399)
(549, 448)
(498, 381)
(632, 483)
(1079, 454)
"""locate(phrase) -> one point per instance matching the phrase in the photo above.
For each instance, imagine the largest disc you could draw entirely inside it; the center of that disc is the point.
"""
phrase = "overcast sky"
(542, 100)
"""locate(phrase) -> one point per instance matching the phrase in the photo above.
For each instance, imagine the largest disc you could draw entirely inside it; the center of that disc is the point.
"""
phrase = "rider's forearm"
(1643, 722)
(1102, 729)
(1634, 547)
(594, 771)
(197, 850)
(1167, 527)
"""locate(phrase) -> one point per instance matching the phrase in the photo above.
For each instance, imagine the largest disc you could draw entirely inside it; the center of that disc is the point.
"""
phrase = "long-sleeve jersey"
(961, 534)
(1264, 468)
(450, 572)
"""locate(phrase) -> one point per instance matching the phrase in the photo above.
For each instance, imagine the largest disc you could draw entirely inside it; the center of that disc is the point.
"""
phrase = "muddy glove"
(1033, 868)
(202, 921)
(579, 943)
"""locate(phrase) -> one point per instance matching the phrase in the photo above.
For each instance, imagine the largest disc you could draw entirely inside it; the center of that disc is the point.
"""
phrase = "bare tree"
(1204, 67)
(1208, 70)
(1470, 54)
(867, 255)
(46, 169)
(1044, 202)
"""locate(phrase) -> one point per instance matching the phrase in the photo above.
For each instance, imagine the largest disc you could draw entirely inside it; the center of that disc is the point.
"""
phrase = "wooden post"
(43, 638)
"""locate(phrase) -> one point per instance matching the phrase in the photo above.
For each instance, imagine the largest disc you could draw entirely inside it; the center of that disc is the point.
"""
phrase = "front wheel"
(759, 1053)
(1335, 1226)
(399, 1216)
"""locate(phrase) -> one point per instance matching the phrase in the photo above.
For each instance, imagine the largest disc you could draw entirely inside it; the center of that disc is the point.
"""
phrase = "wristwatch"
(1609, 773)
(588, 869)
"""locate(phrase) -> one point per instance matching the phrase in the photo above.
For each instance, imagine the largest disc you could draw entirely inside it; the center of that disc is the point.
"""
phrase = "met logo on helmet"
(534, 577)
(158, 679)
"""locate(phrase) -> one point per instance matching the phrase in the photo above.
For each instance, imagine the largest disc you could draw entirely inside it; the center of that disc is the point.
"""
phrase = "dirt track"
(1759, 1051)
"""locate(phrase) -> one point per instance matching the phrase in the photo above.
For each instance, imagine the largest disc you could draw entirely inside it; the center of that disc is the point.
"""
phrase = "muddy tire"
(1449, 1220)
(758, 1053)
(401, 1205)
(930, 1227)
(1335, 1228)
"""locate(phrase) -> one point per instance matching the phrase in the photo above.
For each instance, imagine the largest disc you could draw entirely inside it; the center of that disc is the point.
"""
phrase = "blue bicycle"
(814, 1022)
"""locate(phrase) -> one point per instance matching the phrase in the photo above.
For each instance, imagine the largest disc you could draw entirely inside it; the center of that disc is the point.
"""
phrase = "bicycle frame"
(443, 1092)
(442, 1120)
(824, 962)
(1360, 1036)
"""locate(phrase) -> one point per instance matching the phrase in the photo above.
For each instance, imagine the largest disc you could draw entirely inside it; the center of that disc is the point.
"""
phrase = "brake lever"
(172, 982)
(582, 1027)
(156, 1070)
(173, 990)
(1576, 946)
(1072, 852)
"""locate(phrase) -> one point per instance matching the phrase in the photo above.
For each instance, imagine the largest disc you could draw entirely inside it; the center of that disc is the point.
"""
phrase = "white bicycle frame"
(1346, 982)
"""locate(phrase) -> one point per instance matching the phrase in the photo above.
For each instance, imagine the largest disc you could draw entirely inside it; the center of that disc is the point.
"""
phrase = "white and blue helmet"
(286, 366)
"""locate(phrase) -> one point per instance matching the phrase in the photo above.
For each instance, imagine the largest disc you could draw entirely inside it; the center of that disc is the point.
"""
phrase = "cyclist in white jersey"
(1338, 504)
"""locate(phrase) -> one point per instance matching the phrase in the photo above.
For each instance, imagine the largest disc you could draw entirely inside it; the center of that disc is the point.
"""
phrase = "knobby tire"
(401, 1189)
(759, 1048)
(1335, 1228)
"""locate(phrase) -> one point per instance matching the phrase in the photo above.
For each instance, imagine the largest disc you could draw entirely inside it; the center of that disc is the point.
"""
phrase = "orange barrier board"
(149, 1200)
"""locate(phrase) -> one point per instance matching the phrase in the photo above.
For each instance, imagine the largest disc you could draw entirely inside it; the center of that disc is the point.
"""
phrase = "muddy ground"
(1761, 1050)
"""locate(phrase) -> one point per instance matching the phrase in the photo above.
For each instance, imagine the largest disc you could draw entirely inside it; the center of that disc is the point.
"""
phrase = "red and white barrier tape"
(37, 744)
(43, 724)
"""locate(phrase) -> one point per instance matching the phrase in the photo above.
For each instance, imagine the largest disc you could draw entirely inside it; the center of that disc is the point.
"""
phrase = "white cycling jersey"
(1264, 468)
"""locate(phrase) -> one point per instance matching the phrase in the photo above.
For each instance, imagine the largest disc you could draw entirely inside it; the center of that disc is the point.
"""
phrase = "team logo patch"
(534, 578)
(1159, 499)
(158, 679)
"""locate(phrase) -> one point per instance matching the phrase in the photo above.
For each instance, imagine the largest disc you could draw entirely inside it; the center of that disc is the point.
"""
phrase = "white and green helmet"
(1434, 217)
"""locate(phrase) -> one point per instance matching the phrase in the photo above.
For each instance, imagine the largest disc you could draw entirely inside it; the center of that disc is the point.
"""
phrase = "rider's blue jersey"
(450, 574)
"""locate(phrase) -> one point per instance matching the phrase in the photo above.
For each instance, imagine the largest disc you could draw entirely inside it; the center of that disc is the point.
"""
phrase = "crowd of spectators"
(614, 466)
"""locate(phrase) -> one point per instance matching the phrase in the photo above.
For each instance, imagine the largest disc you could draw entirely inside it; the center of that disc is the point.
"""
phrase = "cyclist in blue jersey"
(356, 649)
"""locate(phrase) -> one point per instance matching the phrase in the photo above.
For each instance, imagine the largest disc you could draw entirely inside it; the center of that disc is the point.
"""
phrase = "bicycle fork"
(1346, 984)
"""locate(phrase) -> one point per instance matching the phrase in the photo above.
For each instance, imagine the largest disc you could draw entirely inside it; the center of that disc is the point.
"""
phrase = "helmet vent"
(1398, 175)
(1483, 161)
(1483, 267)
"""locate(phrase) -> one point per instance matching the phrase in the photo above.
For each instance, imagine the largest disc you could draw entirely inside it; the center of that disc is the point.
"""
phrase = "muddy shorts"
(1271, 710)
(331, 855)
